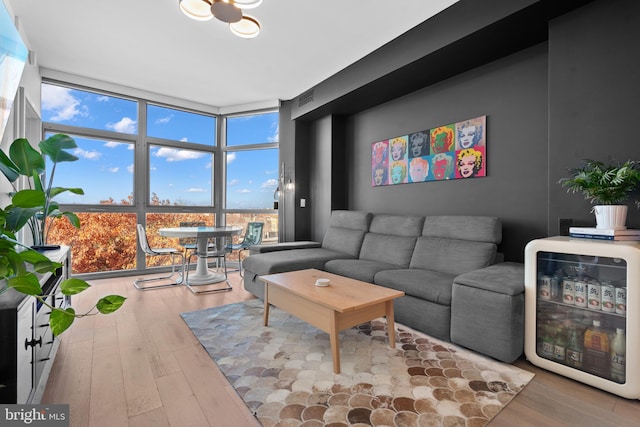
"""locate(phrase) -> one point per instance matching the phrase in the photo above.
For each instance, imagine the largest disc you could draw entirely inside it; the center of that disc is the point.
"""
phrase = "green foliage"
(35, 205)
(19, 264)
(602, 183)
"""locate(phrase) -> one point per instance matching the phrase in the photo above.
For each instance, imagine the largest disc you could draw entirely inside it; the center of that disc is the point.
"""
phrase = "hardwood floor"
(141, 366)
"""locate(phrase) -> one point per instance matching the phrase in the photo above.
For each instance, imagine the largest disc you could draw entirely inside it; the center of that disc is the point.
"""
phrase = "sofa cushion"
(464, 227)
(294, 259)
(451, 256)
(343, 240)
(357, 268)
(385, 248)
(355, 220)
(397, 225)
(429, 285)
(503, 278)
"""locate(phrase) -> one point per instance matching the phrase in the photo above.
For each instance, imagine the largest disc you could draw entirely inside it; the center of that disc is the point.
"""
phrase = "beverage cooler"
(582, 311)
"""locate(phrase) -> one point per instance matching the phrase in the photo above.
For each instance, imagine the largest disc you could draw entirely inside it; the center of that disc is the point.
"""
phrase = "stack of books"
(604, 234)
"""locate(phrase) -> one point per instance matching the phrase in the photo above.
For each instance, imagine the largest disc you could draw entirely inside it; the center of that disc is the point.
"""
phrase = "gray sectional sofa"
(448, 266)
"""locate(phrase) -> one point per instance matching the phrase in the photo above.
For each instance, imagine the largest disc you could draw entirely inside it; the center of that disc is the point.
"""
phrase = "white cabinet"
(27, 346)
(573, 323)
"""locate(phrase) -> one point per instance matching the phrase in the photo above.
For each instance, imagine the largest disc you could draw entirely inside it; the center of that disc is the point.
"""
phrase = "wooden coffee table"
(343, 304)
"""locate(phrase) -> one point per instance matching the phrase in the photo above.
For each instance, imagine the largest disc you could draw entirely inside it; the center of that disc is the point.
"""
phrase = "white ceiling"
(150, 45)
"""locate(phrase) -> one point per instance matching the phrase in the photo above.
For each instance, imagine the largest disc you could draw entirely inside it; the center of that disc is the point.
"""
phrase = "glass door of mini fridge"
(577, 323)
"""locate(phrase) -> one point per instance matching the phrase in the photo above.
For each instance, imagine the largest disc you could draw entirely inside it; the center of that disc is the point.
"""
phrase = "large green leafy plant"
(603, 183)
(20, 265)
(35, 206)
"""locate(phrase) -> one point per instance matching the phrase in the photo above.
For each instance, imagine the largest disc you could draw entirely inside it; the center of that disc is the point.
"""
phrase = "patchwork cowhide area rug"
(284, 372)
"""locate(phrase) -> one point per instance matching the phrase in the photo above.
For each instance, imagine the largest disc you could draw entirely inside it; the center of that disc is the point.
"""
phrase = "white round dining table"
(202, 275)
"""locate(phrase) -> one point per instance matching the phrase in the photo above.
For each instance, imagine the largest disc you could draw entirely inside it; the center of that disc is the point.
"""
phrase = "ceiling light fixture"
(229, 11)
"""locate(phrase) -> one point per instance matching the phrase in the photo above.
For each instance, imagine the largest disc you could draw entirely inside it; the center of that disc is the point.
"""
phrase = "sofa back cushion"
(396, 225)
(475, 228)
(391, 239)
(355, 220)
(452, 256)
(388, 249)
(346, 231)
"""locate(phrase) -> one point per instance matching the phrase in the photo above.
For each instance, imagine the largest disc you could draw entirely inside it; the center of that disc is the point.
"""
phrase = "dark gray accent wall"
(328, 186)
(512, 93)
(548, 106)
(594, 101)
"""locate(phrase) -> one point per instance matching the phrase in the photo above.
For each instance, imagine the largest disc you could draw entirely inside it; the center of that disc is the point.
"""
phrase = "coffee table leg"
(334, 336)
(391, 325)
(266, 304)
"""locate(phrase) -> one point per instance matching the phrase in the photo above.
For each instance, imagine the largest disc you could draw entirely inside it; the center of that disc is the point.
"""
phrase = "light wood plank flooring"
(141, 366)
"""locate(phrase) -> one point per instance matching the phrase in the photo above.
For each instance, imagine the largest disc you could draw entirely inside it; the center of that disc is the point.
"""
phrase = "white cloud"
(112, 144)
(60, 103)
(164, 120)
(231, 157)
(196, 190)
(125, 125)
(102, 98)
(244, 190)
(270, 183)
(234, 182)
(185, 139)
(89, 155)
(276, 134)
(175, 155)
(130, 168)
(114, 169)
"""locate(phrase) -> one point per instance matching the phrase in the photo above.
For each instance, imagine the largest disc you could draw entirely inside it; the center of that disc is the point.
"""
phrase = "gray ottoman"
(487, 311)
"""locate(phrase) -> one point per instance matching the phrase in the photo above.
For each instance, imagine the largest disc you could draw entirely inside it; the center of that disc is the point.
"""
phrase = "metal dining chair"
(189, 243)
(252, 236)
(220, 255)
(157, 252)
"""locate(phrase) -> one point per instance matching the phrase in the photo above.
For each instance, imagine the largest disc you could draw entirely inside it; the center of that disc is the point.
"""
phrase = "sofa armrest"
(261, 249)
(504, 278)
(487, 311)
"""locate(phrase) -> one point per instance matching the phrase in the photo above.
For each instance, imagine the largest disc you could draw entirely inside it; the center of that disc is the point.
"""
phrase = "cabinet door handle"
(44, 325)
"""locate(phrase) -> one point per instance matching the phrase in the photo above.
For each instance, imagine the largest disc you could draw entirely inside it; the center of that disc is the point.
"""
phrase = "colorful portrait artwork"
(470, 133)
(442, 166)
(470, 163)
(398, 148)
(419, 144)
(398, 171)
(419, 169)
(456, 151)
(380, 163)
(442, 139)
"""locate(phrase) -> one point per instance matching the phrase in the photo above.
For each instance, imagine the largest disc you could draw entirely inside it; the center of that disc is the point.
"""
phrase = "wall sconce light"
(276, 197)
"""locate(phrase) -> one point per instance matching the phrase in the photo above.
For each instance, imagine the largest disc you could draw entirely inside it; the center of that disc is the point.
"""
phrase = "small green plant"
(603, 184)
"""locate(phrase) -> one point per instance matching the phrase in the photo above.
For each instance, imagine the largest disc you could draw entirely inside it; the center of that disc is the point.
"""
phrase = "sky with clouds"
(105, 170)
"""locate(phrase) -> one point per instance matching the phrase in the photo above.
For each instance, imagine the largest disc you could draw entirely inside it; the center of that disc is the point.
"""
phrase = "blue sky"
(105, 169)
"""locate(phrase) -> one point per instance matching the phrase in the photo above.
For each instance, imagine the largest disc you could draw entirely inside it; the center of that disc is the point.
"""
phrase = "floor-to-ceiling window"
(158, 165)
(251, 179)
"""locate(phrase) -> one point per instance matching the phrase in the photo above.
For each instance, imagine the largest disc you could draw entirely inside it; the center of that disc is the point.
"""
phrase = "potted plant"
(606, 186)
(35, 206)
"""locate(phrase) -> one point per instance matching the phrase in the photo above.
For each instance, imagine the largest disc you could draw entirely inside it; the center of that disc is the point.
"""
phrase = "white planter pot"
(612, 217)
